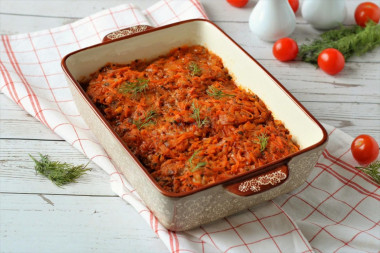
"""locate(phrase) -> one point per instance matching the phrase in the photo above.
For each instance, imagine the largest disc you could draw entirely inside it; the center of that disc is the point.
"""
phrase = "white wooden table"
(36, 216)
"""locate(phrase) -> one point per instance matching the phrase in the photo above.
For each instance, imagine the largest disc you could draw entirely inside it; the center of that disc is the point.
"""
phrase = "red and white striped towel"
(336, 210)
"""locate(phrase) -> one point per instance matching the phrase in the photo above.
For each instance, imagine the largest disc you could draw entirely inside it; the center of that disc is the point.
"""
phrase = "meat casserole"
(186, 120)
(178, 206)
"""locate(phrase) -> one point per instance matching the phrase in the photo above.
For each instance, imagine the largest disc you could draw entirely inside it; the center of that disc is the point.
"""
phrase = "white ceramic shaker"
(324, 14)
(271, 20)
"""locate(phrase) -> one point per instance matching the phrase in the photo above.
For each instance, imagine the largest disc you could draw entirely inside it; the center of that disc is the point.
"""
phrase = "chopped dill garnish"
(147, 120)
(263, 141)
(372, 170)
(59, 173)
(217, 93)
(197, 117)
(194, 69)
(139, 86)
(350, 41)
(198, 165)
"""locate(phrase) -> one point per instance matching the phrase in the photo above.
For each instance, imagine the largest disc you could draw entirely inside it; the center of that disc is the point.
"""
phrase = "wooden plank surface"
(17, 174)
(59, 223)
(77, 218)
(217, 10)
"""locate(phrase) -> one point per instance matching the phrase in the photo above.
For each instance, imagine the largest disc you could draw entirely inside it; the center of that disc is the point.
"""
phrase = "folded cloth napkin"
(337, 209)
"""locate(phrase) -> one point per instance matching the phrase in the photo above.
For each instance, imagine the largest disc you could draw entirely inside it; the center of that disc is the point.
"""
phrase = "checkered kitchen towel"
(336, 210)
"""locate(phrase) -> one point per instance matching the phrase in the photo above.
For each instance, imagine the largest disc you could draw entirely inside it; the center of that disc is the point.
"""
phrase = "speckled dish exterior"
(183, 211)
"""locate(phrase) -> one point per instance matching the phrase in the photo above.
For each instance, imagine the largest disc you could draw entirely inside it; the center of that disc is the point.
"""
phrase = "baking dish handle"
(260, 182)
(126, 32)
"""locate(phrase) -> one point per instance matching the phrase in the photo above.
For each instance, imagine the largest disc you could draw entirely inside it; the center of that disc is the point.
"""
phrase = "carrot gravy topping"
(186, 120)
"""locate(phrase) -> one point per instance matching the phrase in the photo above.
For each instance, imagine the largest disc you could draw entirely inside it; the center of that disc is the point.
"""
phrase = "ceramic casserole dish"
(182, 211)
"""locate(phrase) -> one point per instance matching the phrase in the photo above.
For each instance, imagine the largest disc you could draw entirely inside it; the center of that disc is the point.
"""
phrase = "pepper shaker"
(324, 14)
(271, 20)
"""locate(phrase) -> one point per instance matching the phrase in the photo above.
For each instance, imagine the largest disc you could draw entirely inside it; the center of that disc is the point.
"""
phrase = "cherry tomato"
(365, 149)
(238, 3)
(331, 61)
(285, 49)
(294, 4)
(366, 11)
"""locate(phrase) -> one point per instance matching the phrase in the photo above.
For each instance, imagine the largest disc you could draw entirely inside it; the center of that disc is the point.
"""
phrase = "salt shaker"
(324, 14)
(271, 20)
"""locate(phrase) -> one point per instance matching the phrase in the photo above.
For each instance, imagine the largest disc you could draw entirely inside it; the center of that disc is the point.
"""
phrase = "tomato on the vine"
(238, 3)
(285, 49)
(294, 4)
(366, 11)
(365, 149)
(331, 61)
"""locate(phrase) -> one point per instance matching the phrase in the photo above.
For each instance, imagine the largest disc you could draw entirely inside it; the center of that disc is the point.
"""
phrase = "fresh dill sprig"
(372, 170)
(263, 141)
(139, 86)
(195, 70)
(198, 165)
(217, 93)
(147, 120)
(197, 116)
(349, 41)
(59, 173)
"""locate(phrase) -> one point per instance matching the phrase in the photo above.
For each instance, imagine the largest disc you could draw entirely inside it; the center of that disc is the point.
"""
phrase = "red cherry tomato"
(366, 11)
(331, 61)
(285, 49)
(365, 149)
(294, 4)
(238, 3)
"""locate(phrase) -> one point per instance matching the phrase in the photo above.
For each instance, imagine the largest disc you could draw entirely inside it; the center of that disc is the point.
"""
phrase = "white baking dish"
(181, 211)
